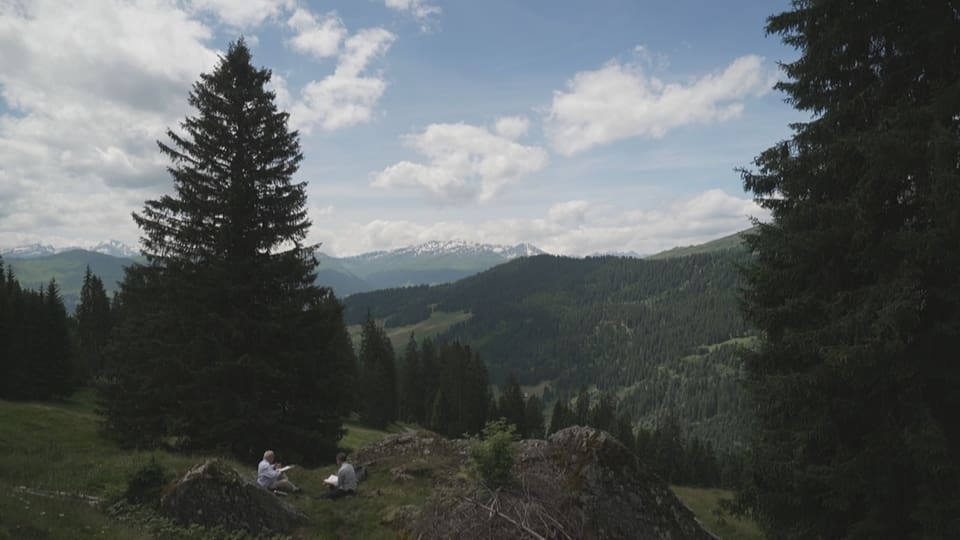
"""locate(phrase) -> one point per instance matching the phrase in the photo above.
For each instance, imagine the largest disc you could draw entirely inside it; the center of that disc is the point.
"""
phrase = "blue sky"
(580, 127)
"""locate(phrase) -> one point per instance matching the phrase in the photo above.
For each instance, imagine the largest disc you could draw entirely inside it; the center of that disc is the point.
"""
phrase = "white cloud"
(569, 228)
(346, 97)
(243, 13)
(318, 37)
(464, 162)
(569, 213)
(620, 100)
(88, 89)
(418, 9)
(512, 127)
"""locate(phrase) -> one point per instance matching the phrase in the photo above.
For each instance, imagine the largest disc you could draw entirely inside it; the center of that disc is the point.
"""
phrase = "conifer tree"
(512, 406)
(581, 413)
(440, 413)
(93, 324)
(854, 284)
(430, 376)
(411, 384)
(560, 417)
(478, 392)
(6, 330)
(378, 379)
(624, 431)
(603, 415)
(225, 341)
(56, 376)
(533, 417)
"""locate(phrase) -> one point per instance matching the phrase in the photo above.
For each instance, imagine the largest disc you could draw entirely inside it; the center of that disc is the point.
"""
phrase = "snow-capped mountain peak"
(436, 248)
(114, 248)
(28, 251)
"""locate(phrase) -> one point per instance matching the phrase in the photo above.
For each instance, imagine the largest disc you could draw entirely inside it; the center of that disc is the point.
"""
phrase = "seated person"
(346, 479)
(270, 477)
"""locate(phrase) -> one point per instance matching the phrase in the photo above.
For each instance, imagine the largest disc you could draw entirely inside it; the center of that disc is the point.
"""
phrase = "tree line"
(671, 451)
(36, 352)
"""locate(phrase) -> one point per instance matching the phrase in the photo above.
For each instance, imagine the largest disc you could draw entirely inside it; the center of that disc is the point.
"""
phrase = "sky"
(581, 127)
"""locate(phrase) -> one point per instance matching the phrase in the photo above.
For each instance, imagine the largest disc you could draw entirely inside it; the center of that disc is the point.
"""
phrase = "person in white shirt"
(346, 479)
(270, 477)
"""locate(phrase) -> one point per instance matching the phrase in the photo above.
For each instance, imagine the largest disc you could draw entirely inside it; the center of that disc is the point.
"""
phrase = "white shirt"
(266, 474)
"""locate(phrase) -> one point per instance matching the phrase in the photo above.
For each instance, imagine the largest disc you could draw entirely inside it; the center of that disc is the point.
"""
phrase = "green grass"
(55, 447)
(358, 436)
(705, 503)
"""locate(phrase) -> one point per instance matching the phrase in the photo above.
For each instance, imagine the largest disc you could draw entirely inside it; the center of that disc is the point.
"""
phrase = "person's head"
(341, 458)
(269, 456)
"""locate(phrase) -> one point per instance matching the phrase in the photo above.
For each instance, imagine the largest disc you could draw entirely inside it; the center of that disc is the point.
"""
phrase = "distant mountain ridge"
(429, 263)
(733, 241)
(68, 268)
(453, 247)
(114, 248)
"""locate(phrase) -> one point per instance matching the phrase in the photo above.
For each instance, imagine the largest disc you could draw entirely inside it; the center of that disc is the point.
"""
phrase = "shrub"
(492, 455)
(145, 483)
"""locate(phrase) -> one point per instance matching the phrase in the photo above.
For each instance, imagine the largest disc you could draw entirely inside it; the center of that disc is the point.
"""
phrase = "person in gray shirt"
(346, 479)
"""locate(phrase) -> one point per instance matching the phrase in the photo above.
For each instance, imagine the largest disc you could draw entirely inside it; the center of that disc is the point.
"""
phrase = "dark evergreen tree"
(56, 375)
(224, 340)
(533, 418)
(440, 413)
(624, 432)
(93, 324)
(410, 392)
(667, 449)
(6, 333)
(36, 352)
(478, 393)
(452, 359)
(512, 406)
(581, 412)
(603, 415)
(854, 283)
(430, 377)
(378, 379)
(561, 417)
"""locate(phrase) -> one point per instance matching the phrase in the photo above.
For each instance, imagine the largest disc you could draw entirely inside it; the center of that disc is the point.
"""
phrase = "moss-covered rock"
(581, 483)
(213, 494)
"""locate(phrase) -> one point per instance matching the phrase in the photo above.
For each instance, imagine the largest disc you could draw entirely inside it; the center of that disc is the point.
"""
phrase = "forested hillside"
(68, 269)
(657, 332)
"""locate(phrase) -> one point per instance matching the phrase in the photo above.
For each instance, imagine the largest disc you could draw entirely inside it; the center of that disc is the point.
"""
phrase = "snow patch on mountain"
(437, 248)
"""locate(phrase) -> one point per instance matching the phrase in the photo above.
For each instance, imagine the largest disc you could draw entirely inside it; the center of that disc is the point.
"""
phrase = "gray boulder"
(213, 494)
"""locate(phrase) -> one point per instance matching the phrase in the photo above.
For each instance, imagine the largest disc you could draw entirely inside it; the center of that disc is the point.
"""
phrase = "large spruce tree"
(225, 341)
(854, 283)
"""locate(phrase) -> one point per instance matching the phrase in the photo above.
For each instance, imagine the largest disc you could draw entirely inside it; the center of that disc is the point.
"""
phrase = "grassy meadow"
(58, 477)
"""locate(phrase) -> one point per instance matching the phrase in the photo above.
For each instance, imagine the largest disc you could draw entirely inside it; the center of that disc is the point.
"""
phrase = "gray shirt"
(347, 478)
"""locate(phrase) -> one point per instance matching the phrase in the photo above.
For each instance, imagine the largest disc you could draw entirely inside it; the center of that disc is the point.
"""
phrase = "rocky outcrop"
(213, 494)
(581, 483)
